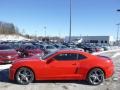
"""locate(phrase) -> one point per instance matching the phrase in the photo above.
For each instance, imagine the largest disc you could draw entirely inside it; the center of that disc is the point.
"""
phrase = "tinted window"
(70, 56)
(48, 55)
(63, 47)
(49, 47)
(28, 47)
(4, 47)
(42, 47)
(66, 56)
(81, 57)
(105, 41)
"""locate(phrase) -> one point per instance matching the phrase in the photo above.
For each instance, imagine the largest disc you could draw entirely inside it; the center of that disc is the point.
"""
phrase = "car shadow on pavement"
(4, 77)
(64, 81)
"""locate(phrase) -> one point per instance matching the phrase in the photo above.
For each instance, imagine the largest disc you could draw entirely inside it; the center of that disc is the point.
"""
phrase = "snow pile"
(12, 38)
(7, 66)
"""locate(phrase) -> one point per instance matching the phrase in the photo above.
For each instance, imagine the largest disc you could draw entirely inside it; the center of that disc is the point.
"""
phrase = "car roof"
(4, 45)
(72, 51)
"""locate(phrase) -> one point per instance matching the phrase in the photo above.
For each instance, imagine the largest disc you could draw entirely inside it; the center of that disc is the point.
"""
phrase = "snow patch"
(12, 38)
(5, 66)
(115, 55)
(97, 53)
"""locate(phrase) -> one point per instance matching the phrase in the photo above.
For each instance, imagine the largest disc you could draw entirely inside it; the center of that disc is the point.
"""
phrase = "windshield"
(29, 47)
(50, 47)
(48, 55)
(63, 46)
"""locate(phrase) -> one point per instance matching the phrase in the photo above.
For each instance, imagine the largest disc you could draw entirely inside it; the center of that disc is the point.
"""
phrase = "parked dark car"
(60, 46)
(40, 46)
(87, 47)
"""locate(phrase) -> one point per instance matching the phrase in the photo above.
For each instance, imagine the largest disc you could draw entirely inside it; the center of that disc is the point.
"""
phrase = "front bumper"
(11, 73)
(6, 62)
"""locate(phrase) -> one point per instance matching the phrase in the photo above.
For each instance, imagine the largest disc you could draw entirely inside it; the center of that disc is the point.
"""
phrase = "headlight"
(9, 57)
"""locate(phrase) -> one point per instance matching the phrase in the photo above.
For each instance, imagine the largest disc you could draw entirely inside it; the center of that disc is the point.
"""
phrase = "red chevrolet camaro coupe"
(62, 65)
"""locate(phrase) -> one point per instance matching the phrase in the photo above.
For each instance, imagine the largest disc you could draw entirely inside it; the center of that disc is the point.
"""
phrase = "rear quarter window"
(80, 57)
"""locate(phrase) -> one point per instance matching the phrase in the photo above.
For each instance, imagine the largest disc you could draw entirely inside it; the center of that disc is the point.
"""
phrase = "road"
(109, 84)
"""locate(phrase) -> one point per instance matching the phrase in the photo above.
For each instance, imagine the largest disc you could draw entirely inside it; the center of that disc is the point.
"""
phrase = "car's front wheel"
(96, 76)
(24, 76)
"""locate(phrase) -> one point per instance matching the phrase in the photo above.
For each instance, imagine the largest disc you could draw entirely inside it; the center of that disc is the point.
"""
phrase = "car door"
(62, 66)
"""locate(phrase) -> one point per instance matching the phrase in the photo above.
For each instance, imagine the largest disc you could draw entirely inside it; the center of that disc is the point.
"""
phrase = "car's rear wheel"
(96, 76)
(24, 76)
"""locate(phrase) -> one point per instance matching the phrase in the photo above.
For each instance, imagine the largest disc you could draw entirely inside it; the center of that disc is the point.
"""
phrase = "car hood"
(30, 59)
(8, 52)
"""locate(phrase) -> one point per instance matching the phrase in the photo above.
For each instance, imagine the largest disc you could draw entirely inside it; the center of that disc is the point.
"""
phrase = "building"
(92, 39)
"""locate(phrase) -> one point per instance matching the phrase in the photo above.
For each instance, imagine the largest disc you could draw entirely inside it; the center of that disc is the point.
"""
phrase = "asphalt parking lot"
(109, 84)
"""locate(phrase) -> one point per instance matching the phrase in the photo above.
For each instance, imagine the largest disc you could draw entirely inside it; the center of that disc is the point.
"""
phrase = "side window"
(28, 47)
(48, 47)
(60, 57)
(66, 56)
(41, 47)
(80, 57)
(33, 47)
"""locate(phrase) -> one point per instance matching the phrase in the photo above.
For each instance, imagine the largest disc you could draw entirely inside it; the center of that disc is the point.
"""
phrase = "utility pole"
(45, 31)
(70, 23)
(117, 37)
(118, 25)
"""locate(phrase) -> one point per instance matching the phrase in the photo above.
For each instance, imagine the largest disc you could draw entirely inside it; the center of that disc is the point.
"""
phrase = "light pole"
(45, 30)
(117, 38)
(118, 25)
(35, 34)
(70, 23)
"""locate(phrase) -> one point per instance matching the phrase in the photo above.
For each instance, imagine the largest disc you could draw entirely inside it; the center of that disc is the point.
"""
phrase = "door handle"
(74, 64)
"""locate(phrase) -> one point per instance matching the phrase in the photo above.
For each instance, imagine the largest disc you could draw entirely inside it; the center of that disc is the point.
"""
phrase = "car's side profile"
(62, 65)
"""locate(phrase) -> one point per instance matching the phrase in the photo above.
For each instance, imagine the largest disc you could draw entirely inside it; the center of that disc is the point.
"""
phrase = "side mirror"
(49, 60)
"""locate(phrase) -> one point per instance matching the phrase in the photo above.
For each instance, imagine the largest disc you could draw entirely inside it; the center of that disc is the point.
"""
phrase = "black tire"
(95, 76)
(24, 76)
